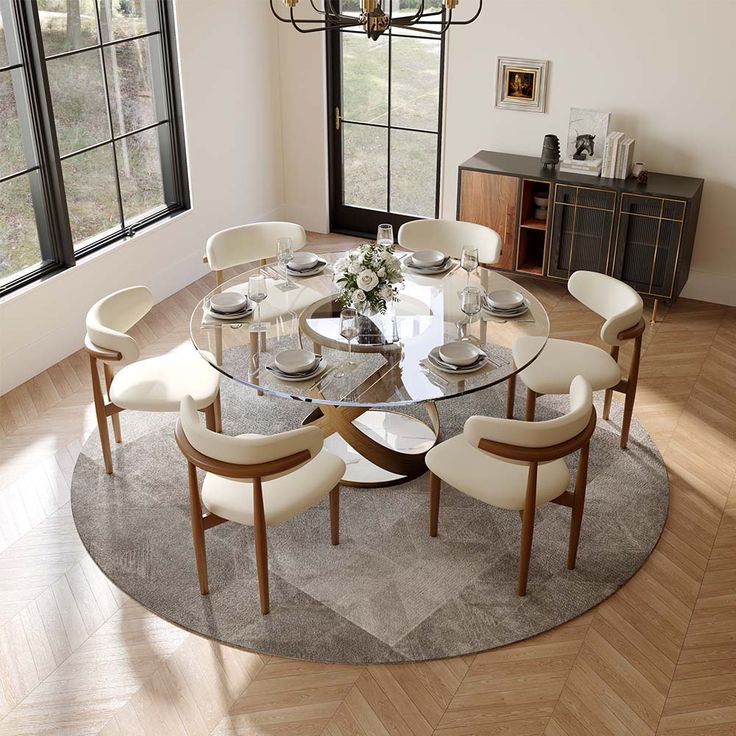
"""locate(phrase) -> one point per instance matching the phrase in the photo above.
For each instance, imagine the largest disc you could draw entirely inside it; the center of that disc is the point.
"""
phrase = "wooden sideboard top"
(661, 185)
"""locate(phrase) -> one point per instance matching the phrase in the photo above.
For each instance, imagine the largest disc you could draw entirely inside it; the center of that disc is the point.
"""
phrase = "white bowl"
(459, 353)
(505, 299)
(541, 201)
(228, 302)
(295, 361)
(303, 260)
(427, 258)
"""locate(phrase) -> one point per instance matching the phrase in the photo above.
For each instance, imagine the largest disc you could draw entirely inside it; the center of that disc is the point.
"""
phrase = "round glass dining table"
(360, 404)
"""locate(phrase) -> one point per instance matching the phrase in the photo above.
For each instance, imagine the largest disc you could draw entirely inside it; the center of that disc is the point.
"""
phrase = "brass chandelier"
(375, 17)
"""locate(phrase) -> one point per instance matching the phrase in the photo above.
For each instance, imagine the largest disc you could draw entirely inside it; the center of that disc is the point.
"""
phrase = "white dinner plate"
(505, 299)
(460, 353)
(427, 258)
(295, 361)
(233, 315)
(435, 359)
(311, 272)
(284, 377)
(228, 302)
(303, 261)
(434, 271)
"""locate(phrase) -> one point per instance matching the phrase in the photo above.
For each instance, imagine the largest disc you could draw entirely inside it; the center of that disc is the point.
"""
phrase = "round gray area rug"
(388, 592)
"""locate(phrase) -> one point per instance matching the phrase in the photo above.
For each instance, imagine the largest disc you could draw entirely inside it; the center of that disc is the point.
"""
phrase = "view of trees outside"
(414, 100)
(78, 84)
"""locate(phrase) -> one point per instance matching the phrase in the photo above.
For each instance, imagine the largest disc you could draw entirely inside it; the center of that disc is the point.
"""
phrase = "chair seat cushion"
(491, 479)
(159, 384)
(283, 497)
(562, 360)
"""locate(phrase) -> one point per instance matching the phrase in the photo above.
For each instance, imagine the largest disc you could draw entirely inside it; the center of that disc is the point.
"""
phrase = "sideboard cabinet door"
(582, 226)
(490, 200)
(648, 243)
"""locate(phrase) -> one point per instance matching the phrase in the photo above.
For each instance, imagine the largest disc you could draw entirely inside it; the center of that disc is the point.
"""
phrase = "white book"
(623, 158)
(610, 172)
(607, 151)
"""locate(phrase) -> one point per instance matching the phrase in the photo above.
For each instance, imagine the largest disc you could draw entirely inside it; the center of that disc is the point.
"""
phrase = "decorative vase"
(550, 150)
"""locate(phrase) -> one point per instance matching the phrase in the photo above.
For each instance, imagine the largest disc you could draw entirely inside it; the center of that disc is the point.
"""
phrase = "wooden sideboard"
(642, 234)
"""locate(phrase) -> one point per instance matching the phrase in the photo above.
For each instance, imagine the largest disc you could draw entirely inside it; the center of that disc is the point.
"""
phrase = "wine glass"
(471, 300)
(469, 260)
(257, 292)
(385, 236)
(349, 329)
(285, 250)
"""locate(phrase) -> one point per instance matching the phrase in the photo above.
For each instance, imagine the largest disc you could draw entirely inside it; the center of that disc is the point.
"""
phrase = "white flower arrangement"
(369, 277)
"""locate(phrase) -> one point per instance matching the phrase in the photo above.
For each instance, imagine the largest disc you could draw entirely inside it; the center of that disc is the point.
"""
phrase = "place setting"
(296, 365)
(230, 307)
(505, 304)
(428, 262)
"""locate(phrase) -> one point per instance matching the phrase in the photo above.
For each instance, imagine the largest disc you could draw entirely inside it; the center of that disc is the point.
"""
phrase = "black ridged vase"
(550, 151)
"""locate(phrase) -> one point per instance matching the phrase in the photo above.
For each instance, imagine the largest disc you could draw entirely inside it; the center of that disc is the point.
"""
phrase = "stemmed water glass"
(385, 236)
(349, 329)
(285, 250)
(257, 292)
(471, 300)
(469, 261)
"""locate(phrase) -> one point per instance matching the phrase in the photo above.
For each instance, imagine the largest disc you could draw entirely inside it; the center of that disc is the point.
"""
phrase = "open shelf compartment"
(532, 229)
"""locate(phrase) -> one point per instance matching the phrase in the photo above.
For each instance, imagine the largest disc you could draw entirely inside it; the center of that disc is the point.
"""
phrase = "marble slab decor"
(388, 592)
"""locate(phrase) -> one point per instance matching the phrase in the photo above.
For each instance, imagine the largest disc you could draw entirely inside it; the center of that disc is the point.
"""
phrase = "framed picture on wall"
(521, 84)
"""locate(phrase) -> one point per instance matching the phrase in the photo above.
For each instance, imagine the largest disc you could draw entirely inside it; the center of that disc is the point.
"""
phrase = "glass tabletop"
(390, 363)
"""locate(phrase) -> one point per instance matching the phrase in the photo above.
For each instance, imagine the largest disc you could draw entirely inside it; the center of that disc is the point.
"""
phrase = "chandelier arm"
(453, 22)
(324, 25)
(329, 9)
(409, 19)
(440, 31)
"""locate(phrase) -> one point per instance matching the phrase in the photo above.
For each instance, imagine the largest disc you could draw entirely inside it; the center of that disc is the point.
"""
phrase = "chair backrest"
(536, 434)
(112, 316)
(451, 236)
(251, 449)
(615, 301)
(245, 243)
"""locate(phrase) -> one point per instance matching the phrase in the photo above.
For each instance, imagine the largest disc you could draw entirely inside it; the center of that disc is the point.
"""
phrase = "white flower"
(341, 265)
(367, 280)
(382, 272)
(355, 266)
(359, 296)
(387, 292)
(379, 255)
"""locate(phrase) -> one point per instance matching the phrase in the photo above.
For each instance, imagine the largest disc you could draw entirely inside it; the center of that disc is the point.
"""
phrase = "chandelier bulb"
(450, 4)
(368, 6)
(291, 3)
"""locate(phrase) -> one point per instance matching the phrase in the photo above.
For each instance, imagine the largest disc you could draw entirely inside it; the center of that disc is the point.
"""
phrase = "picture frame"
(521, 84)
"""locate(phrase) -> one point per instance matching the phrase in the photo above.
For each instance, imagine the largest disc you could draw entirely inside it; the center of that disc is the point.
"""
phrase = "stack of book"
(618, 156)
(588, 166)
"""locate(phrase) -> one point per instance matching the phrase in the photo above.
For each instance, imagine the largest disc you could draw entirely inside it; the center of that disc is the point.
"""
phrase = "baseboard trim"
(705, 286)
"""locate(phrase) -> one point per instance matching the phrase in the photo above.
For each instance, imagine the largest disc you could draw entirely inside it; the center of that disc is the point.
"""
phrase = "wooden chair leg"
(511, 397)
(527, 528)
(631, 384)
(578, 504)
(531, 402)
(434, 503)
(609, 391)
(195, 509)
(210, 419)
(107, 370)
(101, 415)
(259, 525)
(218, 414)
(335, 515)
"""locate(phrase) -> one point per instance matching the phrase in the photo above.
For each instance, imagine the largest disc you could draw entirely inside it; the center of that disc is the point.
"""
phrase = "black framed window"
(90, 129)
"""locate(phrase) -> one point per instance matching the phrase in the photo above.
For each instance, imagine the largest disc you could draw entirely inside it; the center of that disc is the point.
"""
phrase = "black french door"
(385, 113)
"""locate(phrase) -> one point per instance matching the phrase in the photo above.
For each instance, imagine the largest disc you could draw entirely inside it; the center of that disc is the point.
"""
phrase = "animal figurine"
(583, 146)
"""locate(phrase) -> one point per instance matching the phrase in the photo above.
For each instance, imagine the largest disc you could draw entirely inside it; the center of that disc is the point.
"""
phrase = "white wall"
(228, 55)
(662, 67)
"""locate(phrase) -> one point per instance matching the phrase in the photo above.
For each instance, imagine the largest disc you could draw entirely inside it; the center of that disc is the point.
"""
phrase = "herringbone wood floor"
(77, 656)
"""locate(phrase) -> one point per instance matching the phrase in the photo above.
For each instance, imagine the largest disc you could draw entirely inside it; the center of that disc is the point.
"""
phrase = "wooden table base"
(380, 447)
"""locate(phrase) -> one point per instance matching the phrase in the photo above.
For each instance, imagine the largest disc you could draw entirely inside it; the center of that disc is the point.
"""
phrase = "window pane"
(8, 37)
(67, 25)
(364, 78)
(128, 67)
(365, 166)
(13, 157)
(413, 172)
(126, 18)
(91, 194)
(79, 102)
(139, 164)
(415, 83)
(19, 247)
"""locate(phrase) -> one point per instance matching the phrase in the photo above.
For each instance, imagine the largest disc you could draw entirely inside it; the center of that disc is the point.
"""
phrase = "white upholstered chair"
(518, 466)
(246, 243)
(560, 360)
(154, 384)
(255, 480)
(450, 237)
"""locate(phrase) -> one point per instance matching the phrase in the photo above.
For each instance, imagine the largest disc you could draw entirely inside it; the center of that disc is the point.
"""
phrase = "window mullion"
(37, 122)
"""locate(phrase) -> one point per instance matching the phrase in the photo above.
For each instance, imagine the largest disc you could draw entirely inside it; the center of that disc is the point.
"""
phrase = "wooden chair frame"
(202, 521)
(575, 500)
(626, 386)
(105, 408)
